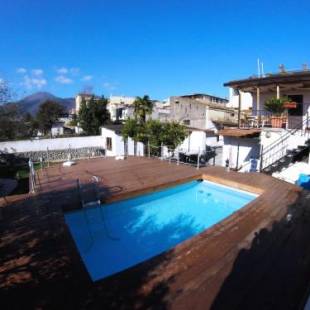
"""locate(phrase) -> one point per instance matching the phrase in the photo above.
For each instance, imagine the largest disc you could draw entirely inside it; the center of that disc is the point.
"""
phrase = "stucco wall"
(249, 149)
(34, 145)
(118, 144)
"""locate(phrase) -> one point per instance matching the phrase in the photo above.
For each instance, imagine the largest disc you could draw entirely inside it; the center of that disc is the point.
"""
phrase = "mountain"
(31, 103)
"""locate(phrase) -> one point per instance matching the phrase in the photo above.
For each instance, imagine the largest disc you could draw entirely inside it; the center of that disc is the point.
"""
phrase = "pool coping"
(184, 244)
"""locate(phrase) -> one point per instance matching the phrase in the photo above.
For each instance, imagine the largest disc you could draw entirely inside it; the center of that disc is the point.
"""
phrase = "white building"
(202, 111)
(79, 99)
(246, 100)
(59, 128)
(121, 107)
(275, 137)
(115, 145)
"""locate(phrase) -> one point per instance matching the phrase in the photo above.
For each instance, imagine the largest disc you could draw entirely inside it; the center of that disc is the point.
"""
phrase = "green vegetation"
(276, 105)
(48, 114)
(142, 107)
(93, 115)
(152, 132)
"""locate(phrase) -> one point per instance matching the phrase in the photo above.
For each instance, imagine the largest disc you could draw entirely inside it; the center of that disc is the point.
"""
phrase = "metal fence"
(208, 156)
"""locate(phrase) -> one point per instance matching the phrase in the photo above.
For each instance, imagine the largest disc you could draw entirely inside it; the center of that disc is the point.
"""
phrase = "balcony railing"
(263, 118)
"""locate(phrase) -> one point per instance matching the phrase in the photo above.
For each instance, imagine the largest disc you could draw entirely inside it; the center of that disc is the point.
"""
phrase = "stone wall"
(64, 154)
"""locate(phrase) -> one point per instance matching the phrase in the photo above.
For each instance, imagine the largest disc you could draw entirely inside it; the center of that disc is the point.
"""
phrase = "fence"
(209, 156)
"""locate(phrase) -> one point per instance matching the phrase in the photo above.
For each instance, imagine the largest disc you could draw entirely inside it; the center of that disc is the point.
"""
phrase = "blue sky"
(155, 47)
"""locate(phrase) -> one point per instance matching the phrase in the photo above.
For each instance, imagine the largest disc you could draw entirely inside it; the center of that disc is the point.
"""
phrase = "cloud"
(74, 71)
(65, 70)
(33, 82)
(63, 79)
(109, 86)
(37, 72)
(62, 70)
(87, 78)
(21, 70)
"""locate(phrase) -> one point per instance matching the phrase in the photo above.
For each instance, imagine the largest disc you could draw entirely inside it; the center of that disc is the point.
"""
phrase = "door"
(295, 116)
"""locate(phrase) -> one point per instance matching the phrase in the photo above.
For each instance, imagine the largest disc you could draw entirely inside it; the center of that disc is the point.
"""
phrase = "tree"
(48, 114)
(93, 114)
(142, 107)
(173, 134)
(155, 132)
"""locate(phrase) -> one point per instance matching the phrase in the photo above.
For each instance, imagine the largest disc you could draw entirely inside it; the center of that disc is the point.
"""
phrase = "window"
(108, 144)
(186, 122)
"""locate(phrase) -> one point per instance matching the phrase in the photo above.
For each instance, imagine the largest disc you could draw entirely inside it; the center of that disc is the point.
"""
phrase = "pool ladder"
(94, 203)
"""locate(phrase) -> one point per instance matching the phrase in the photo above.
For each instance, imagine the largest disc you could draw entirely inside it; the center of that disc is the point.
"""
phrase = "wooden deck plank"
(230, 265)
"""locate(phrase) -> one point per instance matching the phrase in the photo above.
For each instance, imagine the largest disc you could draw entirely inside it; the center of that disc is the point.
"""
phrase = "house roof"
(117, 128)
(287, 77)
(197, 96)
(240, 133)
(199, 129)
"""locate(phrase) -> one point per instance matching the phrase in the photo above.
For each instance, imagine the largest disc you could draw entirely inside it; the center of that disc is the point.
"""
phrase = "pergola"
(277, 83)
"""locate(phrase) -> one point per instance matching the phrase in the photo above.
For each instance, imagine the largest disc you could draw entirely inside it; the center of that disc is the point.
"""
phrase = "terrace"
(257, 258)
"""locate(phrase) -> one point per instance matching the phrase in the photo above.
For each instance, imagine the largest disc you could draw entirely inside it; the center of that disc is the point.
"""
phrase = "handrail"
(286, 136)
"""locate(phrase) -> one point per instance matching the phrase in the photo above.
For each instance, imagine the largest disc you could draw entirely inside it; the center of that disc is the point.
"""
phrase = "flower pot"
(278, 121)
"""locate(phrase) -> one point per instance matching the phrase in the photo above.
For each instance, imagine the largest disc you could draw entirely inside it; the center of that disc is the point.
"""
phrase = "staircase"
(291, 156)
(293, 146)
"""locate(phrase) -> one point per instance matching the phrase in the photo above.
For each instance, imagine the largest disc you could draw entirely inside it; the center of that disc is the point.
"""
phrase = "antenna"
(262, 69)
(258, 68)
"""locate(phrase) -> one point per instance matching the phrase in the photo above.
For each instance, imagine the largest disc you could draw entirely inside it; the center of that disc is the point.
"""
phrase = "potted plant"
(277, 107)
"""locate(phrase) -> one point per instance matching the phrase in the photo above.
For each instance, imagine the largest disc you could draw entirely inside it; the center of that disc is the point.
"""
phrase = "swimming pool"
(119, 235)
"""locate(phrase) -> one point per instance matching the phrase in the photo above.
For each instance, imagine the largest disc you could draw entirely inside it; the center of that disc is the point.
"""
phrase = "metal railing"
(278, 149)
(194, 157)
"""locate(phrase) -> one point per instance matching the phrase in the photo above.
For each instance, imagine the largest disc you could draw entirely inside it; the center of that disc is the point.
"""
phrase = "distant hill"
(31, 103)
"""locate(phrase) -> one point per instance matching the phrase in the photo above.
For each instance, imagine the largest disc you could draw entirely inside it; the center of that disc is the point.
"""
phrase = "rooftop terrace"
(254, 259)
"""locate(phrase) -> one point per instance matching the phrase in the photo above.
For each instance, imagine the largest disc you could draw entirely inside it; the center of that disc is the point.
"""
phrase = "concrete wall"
(199, 113)
(52, 144)
(118, 144)
(249, 149)
(246, 100)
(194, 142)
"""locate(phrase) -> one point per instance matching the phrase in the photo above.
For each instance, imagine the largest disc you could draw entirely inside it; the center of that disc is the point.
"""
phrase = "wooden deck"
(255, 259)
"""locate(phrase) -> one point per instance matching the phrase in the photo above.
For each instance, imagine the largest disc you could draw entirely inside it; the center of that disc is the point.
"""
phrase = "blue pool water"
(119, 235)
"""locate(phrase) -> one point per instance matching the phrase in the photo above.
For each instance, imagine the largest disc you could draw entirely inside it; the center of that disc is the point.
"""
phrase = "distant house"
(246, 99)
(59, 128)
(202, 111)
(120, 107)
(83, 97)
(115, 145)
(270, 141)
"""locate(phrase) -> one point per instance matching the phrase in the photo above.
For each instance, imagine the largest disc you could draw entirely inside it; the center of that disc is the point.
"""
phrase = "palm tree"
(142, 107)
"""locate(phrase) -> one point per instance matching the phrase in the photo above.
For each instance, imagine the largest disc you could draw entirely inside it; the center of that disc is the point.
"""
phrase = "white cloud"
(31, 82)
(62, 70)
(21, 70)
(63, 79)
(37, 72)
(109, 86)
(87, 78)
(74, 71)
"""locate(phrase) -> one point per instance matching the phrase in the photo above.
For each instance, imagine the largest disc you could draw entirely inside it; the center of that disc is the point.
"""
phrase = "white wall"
(246, 100)
(51, 144)
(248, 149)
(194, 142)
(118, 148)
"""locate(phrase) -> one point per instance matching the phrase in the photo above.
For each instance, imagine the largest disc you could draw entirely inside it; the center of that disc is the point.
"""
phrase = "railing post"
(161, 151)
(198, 159)
(48, 158)
(148, 148)
(178, 157)
(214, 157)
(261, 159)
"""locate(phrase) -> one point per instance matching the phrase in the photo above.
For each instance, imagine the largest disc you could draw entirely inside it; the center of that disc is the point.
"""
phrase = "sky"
(156, 47)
